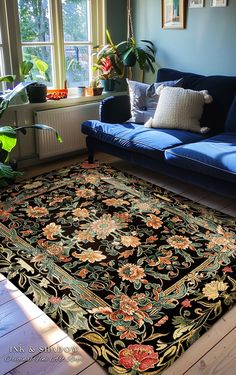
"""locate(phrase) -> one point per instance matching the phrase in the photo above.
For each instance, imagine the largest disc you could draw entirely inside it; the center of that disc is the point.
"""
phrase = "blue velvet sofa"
(207, 161)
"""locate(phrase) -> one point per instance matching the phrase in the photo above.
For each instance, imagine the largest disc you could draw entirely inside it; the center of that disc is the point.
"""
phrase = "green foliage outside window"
(35, 26)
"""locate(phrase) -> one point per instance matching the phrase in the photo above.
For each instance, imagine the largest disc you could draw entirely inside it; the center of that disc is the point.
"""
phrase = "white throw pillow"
(144, 98)
(179, 108)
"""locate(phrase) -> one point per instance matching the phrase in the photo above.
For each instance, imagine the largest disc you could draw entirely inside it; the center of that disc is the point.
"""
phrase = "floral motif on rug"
(133, 273)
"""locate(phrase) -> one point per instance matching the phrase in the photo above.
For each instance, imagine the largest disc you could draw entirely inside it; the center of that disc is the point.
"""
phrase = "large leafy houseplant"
(142, 53)
(112, 59)
(8, 134)
(109, 60)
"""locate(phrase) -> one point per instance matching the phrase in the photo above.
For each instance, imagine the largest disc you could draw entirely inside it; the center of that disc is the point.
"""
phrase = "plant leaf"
(3, 106)
(127, 53)
(41, 65)
(25, 67)
(109, 38)
(21, 86)
(8, 78)
(41, 127)
(147, 41)
(151, 49)
(6, 171)
(7, 138)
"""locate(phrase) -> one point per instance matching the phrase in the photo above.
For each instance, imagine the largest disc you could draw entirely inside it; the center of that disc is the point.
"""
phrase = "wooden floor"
(25, 331)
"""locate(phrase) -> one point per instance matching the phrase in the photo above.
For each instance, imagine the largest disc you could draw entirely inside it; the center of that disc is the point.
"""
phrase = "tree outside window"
(60, 34)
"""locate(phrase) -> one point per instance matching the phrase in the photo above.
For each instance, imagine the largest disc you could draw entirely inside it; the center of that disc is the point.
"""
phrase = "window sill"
(69, 101)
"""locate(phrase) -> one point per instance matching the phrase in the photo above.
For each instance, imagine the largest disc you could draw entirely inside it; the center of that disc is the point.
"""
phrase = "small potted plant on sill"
(34, 91)
(37, 91)
(94, 89)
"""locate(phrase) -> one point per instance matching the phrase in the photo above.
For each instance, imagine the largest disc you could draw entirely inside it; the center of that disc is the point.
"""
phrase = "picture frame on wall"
(218, 3)
(173, 14)
(196, 3)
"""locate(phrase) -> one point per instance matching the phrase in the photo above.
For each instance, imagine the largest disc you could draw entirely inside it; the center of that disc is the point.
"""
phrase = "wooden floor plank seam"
(208, 351)
(87, 368)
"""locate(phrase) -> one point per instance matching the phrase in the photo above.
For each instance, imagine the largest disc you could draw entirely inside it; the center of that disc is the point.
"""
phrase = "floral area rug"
(133, 273)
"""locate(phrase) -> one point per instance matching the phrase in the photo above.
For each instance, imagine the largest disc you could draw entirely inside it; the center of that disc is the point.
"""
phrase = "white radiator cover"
(67, 122)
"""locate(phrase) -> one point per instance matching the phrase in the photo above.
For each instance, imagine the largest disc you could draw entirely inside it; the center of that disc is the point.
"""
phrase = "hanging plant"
(142, 53)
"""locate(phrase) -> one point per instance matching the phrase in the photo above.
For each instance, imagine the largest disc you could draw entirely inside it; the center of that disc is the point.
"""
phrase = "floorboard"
(22, 344)
(219, 360)
(15, 313)
(60, 362)
(8, 291)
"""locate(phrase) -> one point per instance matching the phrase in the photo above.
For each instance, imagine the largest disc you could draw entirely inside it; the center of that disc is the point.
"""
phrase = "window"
(77, 41)
(60, 33)
(36, 36)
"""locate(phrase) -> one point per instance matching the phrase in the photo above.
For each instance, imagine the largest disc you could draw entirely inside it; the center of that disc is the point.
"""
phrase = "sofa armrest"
(115, 109)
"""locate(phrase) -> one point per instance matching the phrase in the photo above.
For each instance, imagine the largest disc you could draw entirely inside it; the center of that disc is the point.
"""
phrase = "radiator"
(67, 122)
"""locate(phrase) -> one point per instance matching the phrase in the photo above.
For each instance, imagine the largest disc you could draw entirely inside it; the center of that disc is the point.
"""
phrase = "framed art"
(218, 3)
(196, 3)
(173, 14)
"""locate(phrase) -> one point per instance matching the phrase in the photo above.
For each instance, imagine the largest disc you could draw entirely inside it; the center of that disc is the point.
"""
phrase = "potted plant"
(141, 53)
(109, 63)
(94, 89)
(8, 134)
(37, 91)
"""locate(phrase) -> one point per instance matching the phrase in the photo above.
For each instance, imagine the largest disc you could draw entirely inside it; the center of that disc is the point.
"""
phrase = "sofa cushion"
(221, 88)
(143, 99)
(179, 108)
(214, 156)
(136, 137)
(230, 123)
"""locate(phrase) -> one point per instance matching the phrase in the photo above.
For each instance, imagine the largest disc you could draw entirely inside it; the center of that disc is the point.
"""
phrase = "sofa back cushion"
(230, 123)
(221, 88)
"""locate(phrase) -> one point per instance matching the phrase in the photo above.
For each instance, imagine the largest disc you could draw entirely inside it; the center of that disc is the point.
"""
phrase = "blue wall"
(116, 19)
(206, 46)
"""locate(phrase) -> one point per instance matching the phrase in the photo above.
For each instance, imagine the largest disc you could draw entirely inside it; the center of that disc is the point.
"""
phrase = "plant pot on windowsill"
(37, 93)
(93, 91)
(108, 84)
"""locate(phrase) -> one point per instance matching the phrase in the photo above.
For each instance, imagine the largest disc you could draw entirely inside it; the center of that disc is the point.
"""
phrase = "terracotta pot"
(93, 91)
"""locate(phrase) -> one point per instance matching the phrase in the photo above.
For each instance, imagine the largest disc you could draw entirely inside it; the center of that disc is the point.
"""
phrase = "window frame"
(12, 45)
(6, 60)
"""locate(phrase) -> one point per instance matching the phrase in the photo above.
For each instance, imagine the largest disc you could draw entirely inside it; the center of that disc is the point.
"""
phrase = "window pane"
(34, 20)
(44, 54)
(75, 20)
(77, 65)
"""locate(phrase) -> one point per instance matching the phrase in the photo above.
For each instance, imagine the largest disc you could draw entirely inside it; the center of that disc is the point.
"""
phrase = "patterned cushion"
(180, 109)
(143, 99)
